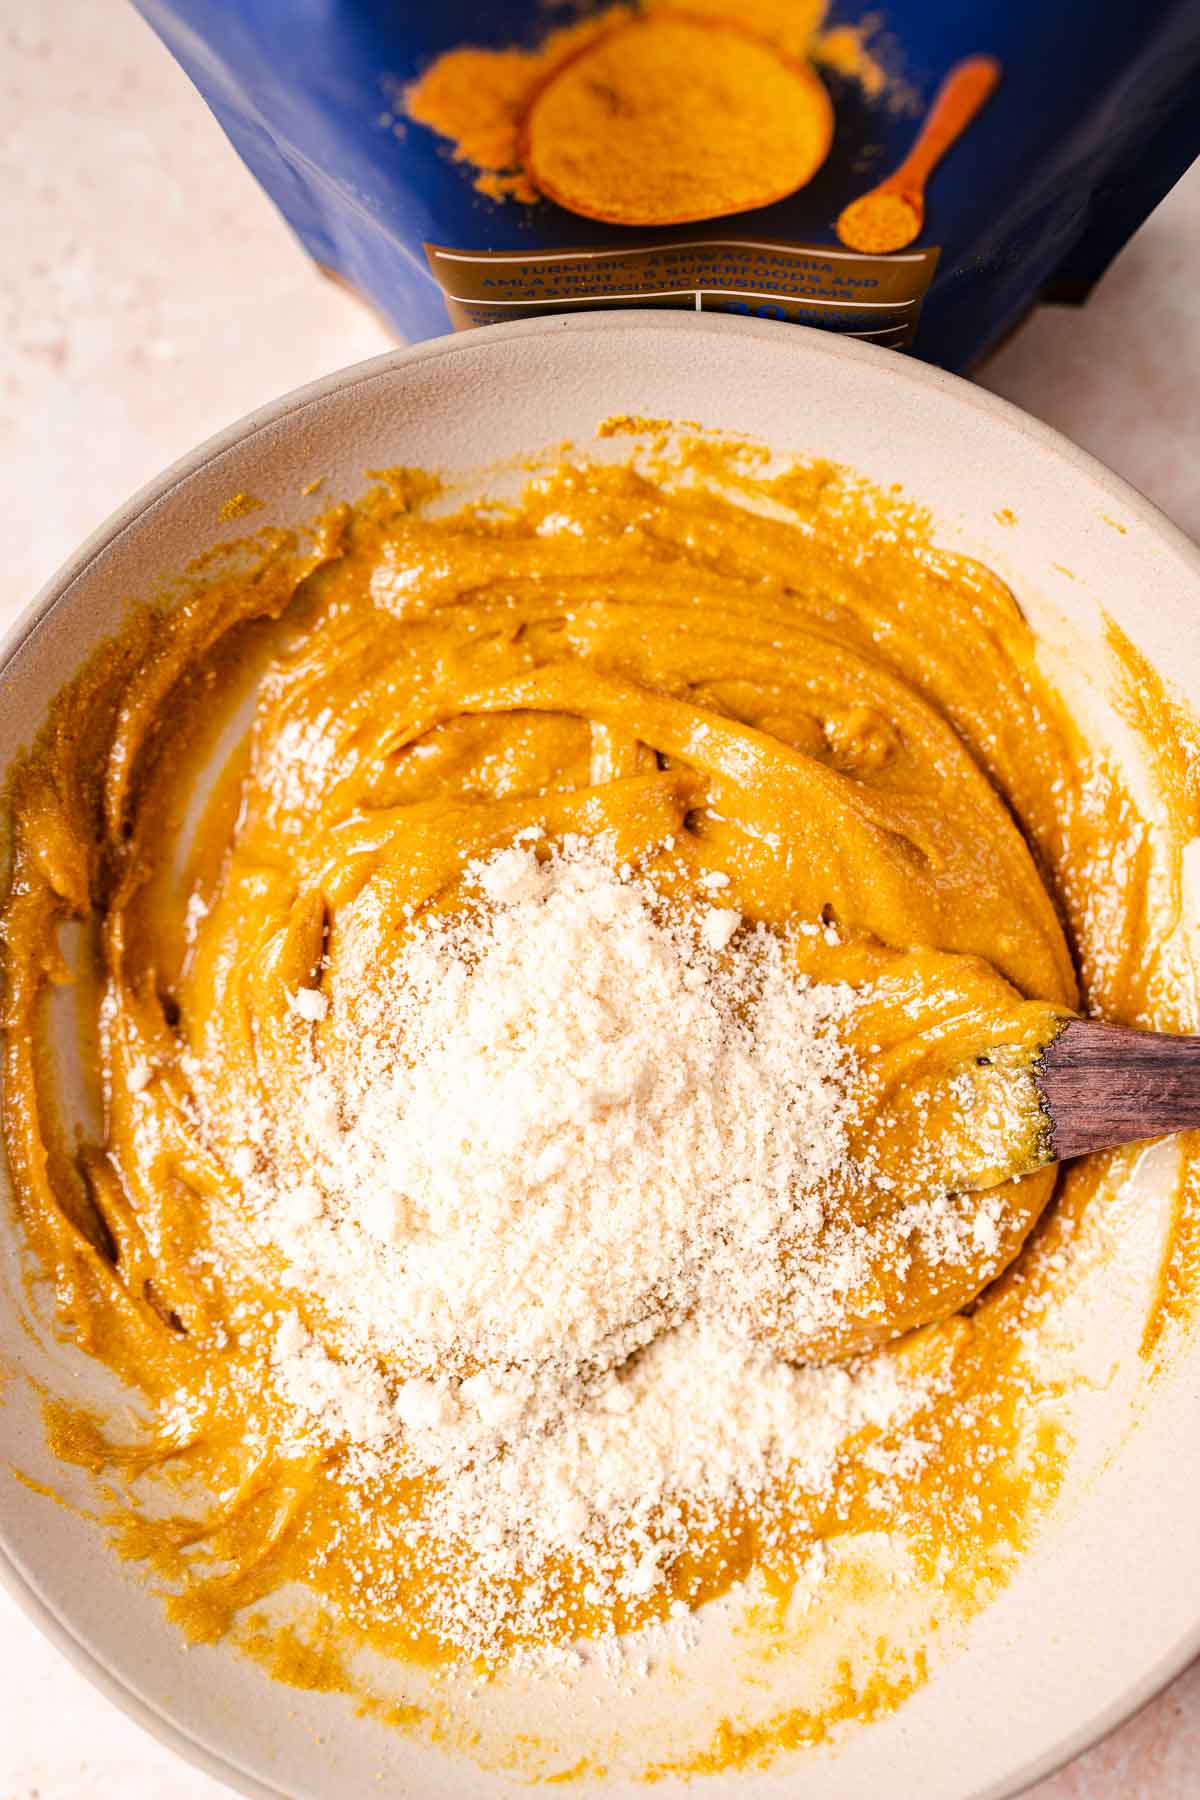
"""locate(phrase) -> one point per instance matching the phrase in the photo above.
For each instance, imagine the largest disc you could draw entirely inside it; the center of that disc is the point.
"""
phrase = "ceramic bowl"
(1106, 1606)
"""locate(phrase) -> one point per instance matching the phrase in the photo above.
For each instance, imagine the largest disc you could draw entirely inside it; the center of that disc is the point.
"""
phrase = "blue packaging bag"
(466, 163)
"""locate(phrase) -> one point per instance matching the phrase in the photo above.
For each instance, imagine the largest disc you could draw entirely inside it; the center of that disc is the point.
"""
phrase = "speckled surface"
(149, 295)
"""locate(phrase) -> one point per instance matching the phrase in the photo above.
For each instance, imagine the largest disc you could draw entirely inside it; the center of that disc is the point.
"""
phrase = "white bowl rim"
(961, 393)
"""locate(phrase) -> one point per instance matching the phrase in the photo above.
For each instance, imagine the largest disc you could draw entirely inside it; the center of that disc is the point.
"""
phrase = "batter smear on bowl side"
(554, 1100)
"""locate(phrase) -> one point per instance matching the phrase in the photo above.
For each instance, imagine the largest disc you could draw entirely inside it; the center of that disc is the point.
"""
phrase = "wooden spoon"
(892, 214)
(1105, 1085)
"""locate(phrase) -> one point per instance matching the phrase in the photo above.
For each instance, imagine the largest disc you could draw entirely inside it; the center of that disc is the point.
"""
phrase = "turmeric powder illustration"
(677, 110)
(879, 222)
(670, 118)
(644, 116)
(892, 214)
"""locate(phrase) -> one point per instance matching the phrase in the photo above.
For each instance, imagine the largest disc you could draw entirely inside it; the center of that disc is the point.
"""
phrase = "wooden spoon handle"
(1106, 1085)
(958, 99)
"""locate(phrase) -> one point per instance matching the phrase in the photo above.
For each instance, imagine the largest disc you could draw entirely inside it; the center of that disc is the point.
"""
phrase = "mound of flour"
(576, 1115)
(537, 1186)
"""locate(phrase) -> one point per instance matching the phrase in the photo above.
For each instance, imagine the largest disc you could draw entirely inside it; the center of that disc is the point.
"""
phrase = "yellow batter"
(848, 722)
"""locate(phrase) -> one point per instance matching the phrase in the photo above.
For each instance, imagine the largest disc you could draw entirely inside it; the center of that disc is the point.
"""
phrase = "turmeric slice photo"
(671, 118)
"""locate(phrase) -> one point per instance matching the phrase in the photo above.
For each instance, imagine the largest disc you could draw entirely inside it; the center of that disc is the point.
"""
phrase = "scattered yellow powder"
(478, 98)
(790, 25)
(845, 50)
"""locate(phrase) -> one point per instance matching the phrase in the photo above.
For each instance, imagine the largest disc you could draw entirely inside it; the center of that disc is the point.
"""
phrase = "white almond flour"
(568, 1123)
(532, 1199)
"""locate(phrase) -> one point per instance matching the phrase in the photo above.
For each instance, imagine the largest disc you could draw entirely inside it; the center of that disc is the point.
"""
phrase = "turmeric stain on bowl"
(240, 506)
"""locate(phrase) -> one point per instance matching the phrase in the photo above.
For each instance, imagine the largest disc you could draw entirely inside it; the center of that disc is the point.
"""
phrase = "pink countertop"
(148, 295)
